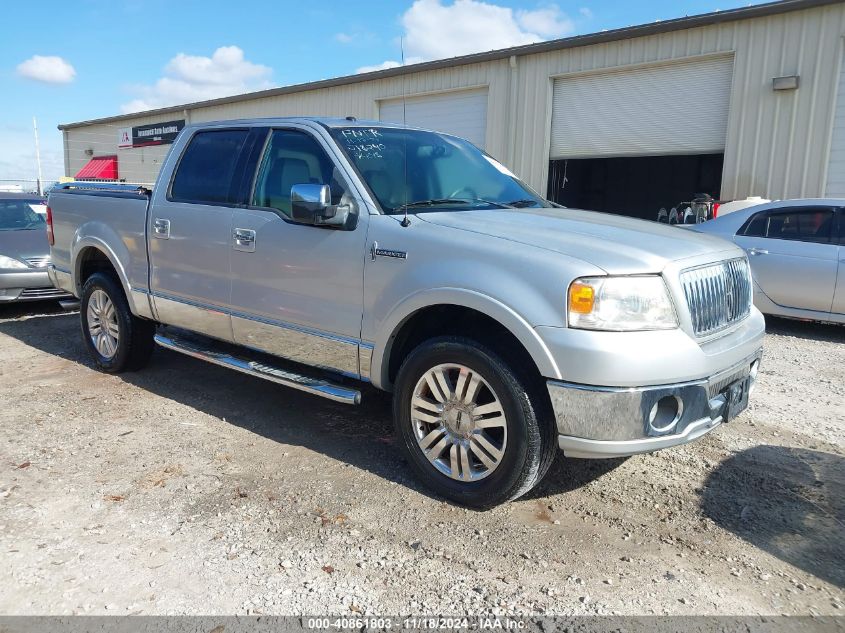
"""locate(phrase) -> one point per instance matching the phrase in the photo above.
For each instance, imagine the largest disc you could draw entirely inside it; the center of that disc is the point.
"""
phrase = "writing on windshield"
(363, 143)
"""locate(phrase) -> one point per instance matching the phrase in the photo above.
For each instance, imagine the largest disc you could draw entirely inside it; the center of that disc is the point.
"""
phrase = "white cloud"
(586, 13)
(382, 66)
(50, 69)
(343, 38)
(190, 78)
(434, 30)
(547, 22)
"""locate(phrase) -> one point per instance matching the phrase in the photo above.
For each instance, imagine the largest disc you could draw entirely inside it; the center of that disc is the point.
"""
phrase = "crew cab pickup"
(323, 254)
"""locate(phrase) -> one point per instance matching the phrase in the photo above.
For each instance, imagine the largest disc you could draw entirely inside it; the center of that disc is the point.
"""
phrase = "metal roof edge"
(653, 28)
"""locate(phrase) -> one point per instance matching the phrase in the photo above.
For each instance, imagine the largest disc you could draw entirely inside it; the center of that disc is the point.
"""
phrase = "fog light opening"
(752, 374)
(665, 413)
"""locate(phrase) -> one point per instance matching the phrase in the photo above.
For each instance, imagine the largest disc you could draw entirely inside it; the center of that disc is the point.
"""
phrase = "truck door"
(297, 290)
(190, 234)
(793, 259)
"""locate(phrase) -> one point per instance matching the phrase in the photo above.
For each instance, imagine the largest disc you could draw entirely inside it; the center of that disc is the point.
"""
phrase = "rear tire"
(117, 339)
(475, 459)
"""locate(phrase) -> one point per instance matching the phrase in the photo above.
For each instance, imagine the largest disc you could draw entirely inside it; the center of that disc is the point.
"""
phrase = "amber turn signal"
(581, 298)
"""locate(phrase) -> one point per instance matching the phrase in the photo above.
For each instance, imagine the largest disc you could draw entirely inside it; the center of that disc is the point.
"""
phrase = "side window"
(757, 226)
(206, 170)
(813, 224)
(294, 158)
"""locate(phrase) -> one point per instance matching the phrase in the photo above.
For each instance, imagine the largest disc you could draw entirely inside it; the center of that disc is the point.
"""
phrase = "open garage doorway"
(634, 186)
(633, 140)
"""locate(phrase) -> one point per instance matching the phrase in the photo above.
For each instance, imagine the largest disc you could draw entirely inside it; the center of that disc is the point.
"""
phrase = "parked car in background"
(24, 250)
(506, 328)
(797, 254)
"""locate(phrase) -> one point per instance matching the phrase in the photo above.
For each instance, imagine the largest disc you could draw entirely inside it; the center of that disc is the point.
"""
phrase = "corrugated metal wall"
(777, 142)
(835, 185)
(137, 165)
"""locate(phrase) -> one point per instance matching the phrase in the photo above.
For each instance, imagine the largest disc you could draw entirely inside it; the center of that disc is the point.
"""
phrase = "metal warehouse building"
(734, 103)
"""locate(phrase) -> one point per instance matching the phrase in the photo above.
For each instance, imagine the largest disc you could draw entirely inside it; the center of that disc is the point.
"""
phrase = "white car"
(737, 205)
(797, 254)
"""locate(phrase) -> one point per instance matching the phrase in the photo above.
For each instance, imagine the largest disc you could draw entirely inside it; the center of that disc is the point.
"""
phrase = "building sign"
(151, 134)
(124, 137)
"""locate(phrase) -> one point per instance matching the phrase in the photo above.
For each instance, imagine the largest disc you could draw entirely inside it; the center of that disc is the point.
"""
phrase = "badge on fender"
(375, 251)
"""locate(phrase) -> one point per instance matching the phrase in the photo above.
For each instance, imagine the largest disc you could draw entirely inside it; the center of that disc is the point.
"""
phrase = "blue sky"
(66, 62)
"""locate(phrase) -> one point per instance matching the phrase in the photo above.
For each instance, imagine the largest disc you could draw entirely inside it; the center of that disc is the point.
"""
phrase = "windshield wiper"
(436, 202)
(519, 204)
(429, 203)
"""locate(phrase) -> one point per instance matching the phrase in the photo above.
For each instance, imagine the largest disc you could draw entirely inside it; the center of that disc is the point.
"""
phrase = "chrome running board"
(316, 386)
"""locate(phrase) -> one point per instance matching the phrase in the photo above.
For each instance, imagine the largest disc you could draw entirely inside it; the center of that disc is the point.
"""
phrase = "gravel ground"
(190, 489)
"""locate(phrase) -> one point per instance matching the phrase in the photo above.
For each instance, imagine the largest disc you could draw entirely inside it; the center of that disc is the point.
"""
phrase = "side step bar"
(315, 386)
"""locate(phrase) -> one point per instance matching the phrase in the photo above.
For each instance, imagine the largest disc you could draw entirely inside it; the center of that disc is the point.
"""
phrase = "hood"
(614, 243)
(24, 244)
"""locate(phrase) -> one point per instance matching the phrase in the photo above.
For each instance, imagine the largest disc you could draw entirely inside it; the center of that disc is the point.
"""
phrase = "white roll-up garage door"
(461, 112)
(836, 165)
(679, 108)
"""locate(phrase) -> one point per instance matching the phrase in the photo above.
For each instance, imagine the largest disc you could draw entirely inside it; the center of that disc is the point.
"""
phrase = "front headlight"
(621, 304)
(9, 262)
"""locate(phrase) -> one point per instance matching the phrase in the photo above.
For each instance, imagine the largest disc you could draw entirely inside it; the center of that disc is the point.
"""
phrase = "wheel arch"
(92, 254)
(402, 323)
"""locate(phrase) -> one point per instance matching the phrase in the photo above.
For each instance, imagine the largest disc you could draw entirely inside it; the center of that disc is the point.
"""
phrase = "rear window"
(20, 215)
(205, 172)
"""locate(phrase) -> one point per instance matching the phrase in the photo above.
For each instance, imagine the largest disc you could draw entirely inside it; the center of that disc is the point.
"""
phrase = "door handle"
(161, 228)
(757, 251)
(244, 236)
(244, 240)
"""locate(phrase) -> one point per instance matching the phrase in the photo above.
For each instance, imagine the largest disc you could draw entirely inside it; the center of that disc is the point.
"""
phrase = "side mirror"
(312, 204)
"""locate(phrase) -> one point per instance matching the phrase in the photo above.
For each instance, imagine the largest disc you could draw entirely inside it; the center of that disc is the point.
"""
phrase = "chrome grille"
(718, 295)
(38, 262)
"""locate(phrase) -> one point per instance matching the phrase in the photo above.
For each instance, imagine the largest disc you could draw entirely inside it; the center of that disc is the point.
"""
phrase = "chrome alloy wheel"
(102, 323)
(459, 422)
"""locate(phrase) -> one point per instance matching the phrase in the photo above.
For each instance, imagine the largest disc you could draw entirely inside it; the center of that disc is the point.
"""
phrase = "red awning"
(99, 168)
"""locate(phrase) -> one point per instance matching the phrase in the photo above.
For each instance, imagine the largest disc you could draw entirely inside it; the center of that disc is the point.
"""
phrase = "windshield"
(443, 172)
(18, 215)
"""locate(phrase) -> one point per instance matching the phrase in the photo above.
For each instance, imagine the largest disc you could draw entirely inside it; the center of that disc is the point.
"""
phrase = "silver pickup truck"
(322, 254)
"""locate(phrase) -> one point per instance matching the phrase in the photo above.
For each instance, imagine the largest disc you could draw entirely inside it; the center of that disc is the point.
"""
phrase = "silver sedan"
(24, 251)
(797, 254)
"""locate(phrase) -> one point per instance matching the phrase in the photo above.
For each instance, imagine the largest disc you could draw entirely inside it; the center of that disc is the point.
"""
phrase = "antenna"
(405, 220)
(38, 158)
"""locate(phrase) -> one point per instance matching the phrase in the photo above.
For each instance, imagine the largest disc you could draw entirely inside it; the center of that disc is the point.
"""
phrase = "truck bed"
(111, 217)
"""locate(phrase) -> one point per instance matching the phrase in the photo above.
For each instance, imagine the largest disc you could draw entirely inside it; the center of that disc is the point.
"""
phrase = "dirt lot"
(188, 488)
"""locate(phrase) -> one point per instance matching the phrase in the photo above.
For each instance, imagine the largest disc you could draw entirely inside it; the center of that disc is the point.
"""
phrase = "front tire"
(472, 430)
(117, 339)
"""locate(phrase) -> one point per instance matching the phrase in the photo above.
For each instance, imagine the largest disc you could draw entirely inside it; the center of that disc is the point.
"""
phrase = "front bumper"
(28, 285)
(600, 422)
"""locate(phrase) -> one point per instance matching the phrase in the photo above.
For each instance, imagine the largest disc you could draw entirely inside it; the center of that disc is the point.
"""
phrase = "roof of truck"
(332, 122)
